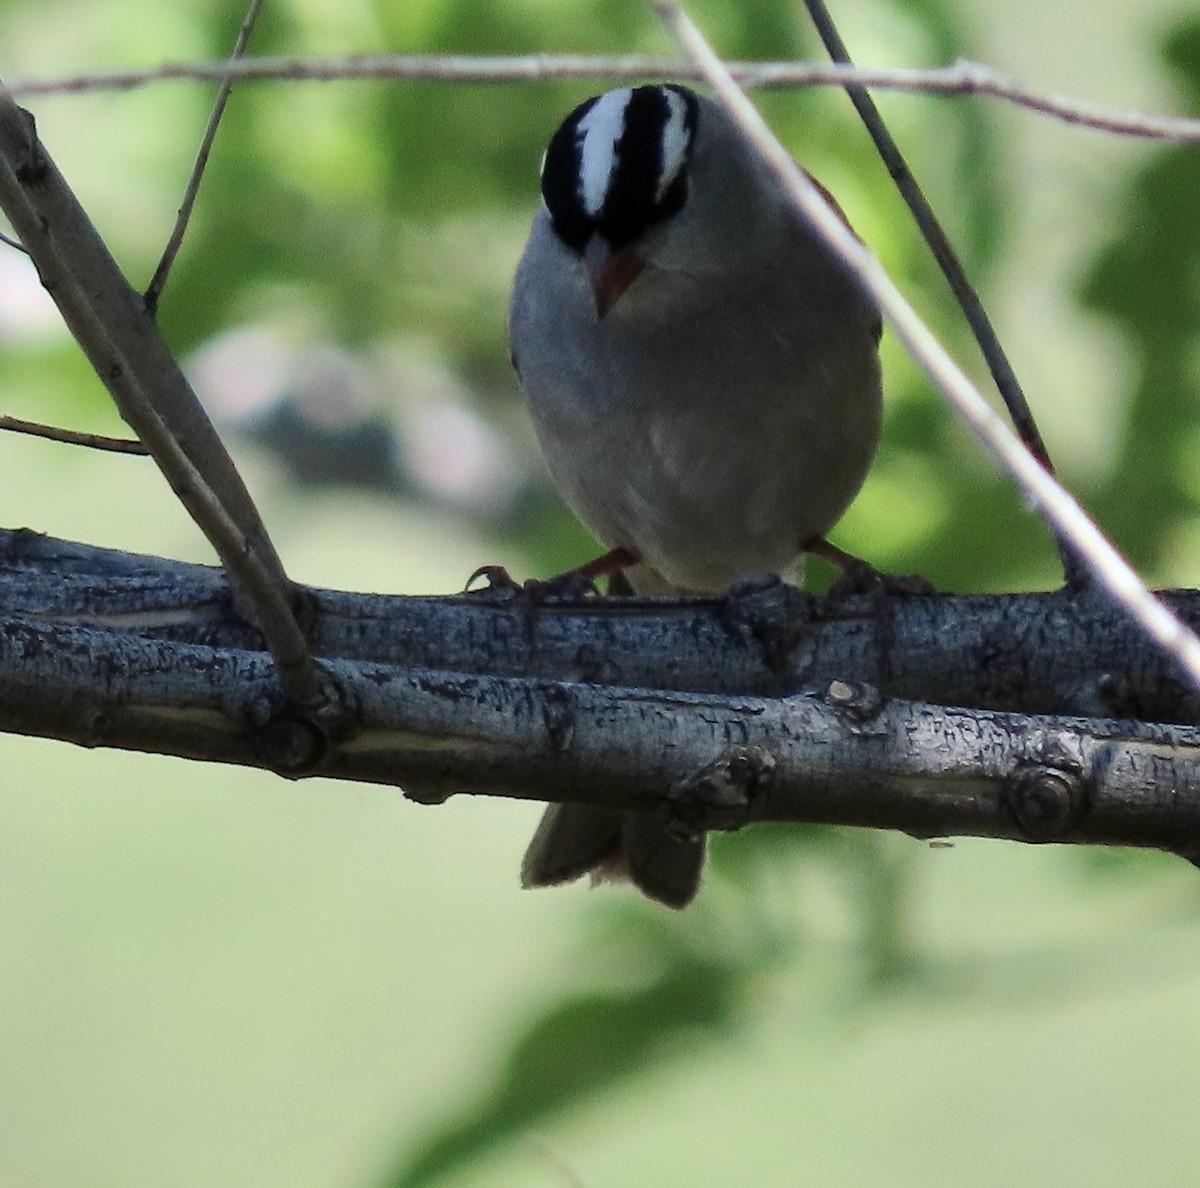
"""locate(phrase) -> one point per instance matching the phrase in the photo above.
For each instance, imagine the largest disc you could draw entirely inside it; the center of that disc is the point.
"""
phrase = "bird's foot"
(611, 565)
(573, 585)
(865, 581)
(860, 580)
(502, 587)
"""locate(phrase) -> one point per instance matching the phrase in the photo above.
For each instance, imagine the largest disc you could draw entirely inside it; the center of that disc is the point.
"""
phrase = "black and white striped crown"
(618, 164)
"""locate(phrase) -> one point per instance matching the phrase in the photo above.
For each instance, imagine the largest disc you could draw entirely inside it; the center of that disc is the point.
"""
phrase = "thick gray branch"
(765, 706)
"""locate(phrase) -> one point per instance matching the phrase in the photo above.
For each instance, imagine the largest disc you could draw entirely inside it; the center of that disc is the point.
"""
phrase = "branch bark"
(768, 705)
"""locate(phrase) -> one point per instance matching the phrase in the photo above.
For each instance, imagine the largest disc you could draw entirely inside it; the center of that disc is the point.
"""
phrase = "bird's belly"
(701, 502)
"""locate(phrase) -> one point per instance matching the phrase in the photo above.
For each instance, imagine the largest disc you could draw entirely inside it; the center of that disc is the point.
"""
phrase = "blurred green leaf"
(1144, 281)
(578, 1049)
(979, 179)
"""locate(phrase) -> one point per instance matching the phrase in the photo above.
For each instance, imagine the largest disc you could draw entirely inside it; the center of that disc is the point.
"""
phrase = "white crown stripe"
(599, 131)
(674, 142)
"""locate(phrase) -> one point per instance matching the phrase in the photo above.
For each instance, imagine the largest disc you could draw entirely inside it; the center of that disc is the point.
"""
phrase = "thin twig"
(93, 441)
(12, 243)
(960, 78)
(159, 281)
(935, 236)
(1064, 514)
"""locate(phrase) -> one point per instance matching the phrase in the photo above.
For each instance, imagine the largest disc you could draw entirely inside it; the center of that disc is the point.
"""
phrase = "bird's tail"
(662, 860)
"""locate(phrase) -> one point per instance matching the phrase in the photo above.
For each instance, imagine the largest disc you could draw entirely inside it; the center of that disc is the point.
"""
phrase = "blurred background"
(210, 976)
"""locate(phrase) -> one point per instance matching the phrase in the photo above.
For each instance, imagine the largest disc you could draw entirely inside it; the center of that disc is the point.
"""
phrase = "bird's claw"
(501, 585)
(571, 586)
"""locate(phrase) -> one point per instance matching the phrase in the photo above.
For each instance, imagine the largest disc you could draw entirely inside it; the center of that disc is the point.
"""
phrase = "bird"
(702, 372)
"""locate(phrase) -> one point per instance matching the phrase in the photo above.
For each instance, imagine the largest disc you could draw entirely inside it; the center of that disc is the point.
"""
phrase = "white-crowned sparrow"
(703, 375)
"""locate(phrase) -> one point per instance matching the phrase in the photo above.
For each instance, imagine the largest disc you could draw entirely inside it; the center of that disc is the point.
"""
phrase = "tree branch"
(960, 78)
(768, 705)
(91, 441)
(1064, 652)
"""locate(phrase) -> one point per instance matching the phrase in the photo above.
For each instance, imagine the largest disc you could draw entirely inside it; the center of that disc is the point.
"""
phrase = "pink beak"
(610, 273)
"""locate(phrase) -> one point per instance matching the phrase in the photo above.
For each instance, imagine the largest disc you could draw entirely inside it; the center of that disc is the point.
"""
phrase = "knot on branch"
(765, 613)
(719, 795)
(294, 739)
(855, 701)
(33, 165)
(1046, 802)
(558, 716)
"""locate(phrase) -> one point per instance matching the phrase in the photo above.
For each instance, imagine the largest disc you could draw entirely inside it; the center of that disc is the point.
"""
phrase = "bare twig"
(12, 243)
(93, 441)
(960, 78)
(175, 242)
(939, 243)
(112, 325)
(1060, 509)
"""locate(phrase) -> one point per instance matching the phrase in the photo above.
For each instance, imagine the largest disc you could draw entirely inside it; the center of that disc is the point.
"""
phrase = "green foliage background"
(210, 977)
